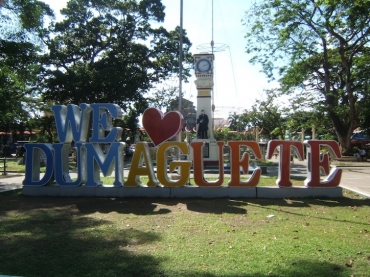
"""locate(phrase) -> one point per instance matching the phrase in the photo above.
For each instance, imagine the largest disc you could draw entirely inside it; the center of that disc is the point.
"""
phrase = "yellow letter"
(137, 169)
(184, 166)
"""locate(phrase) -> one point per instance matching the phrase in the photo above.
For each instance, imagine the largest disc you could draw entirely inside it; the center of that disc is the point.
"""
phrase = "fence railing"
(3, 165)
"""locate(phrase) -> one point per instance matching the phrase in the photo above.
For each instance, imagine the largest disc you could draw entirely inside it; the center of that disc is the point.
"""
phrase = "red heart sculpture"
(160, 127)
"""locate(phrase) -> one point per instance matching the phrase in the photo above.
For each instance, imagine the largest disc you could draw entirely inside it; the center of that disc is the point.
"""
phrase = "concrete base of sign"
(298, 192)
(102, 191)
(184, 192)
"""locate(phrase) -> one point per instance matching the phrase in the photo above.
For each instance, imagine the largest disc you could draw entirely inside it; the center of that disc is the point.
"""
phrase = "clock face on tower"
(203, 65)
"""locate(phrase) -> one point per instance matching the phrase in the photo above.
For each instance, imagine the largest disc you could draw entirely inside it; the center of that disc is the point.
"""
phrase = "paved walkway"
(354, 178)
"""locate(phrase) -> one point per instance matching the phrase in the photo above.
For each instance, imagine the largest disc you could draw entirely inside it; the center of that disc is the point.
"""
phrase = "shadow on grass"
(50, 236)
(273, 206)
(138, 206)
(153, 206)
(41, 238)
(86, 205)
(219, 206)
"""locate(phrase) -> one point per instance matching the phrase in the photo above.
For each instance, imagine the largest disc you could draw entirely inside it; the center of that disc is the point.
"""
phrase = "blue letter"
(96, 159)
(33, 159)
(61, 164)
(71, 122)
(102, 121)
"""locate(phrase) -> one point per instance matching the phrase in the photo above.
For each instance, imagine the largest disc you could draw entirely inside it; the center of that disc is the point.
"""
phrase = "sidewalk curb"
(360, 192)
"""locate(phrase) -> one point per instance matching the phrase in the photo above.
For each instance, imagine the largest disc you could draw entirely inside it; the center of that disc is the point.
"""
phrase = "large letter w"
(72, 122)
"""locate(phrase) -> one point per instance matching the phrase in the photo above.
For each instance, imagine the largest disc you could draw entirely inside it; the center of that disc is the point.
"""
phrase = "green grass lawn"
(54, 236)
(14, 167)
(11, 166)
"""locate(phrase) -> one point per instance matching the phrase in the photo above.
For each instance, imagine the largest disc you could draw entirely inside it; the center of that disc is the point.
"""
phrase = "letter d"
(33, 159)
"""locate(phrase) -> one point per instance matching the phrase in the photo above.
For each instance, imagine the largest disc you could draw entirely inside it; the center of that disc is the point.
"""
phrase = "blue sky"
(237, 83)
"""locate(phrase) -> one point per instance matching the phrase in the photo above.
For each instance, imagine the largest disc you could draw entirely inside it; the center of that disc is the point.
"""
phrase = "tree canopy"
(316, 49)
(108, 51)
(102, 51)
(22, 23)
(270, 117)
(22, 20)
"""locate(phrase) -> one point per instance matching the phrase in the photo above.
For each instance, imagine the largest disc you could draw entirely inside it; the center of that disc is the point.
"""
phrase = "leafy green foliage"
(268, 115)
(238, 122)
(103, 51)
(22, 20)
(318, 48)
(107, 51)
(21, 25)
(167, 98)
(225, 134)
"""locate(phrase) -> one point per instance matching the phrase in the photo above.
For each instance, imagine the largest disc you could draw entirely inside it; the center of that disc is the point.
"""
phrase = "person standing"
(203, 126)
(358, 156)
(363, 155)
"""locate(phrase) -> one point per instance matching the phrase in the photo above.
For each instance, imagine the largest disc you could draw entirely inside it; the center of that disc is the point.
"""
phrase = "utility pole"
(180, 71)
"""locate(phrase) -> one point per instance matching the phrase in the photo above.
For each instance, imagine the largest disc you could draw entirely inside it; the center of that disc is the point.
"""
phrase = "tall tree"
(309, 120)
(20, 30)
(266, 114)
(315, 43)
(238, 122)
(164, 97)
(23, 20)
(108, 51)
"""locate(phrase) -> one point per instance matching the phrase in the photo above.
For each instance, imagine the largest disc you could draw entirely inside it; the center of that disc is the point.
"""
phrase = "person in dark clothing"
(203, 125)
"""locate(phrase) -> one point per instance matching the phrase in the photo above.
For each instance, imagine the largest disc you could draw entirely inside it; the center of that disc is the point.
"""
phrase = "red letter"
(315, 162)
(285, 153)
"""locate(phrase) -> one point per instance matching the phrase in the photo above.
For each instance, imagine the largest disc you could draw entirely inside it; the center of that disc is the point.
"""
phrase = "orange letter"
(198, 165)
(285, 153)
(315, 162)
(236, 163)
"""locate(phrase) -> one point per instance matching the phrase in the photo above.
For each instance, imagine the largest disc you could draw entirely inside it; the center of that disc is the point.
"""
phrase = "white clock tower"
(203, 64)
(204, 84)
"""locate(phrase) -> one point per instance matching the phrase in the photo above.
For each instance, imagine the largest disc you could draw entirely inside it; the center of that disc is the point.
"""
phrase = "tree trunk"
(343, 130)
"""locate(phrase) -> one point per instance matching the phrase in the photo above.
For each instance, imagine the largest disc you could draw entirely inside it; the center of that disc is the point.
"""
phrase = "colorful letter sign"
(73, 125)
